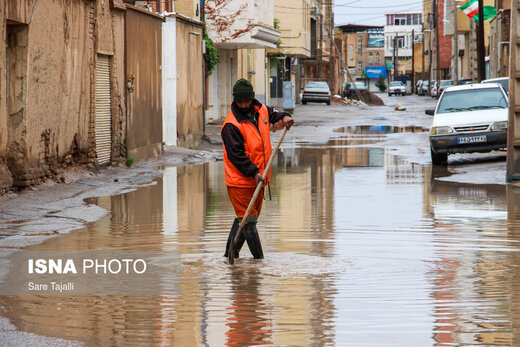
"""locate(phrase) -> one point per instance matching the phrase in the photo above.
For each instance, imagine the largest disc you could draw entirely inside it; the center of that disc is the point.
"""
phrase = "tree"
(381, 83)
(212, 57)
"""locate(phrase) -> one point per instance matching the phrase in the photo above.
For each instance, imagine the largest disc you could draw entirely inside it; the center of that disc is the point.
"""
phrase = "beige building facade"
(51, 73)
(241, 42)
(296, 24)
(65, 92)
(324, 63)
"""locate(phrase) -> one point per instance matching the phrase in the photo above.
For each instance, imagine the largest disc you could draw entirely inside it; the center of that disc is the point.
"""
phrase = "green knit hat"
(243, 90)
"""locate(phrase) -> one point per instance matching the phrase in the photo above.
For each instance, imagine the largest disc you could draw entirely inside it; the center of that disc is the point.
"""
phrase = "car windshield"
(396, 84)
(471, 100)
(360, 85)
(425, 83)
(319, 85)
(446, 83)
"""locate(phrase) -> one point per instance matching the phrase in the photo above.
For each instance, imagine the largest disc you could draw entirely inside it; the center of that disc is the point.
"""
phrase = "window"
(400, 42)
(378, 58)
(408, 19)
(351, 52)
(400, 21)
(360, 65)
(370, 59)
(360, 43)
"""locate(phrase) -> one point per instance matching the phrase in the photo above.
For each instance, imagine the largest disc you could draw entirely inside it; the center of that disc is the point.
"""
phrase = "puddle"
(379, 129)
(361, 247)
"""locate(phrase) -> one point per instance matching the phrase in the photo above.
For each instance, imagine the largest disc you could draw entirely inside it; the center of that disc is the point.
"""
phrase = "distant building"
(362, 51)
(398, 35)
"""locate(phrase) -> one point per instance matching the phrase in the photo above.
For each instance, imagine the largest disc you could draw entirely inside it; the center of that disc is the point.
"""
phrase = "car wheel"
(304, 102)
(439, 159)
(389, 94)
(328, 102)
(404, 94)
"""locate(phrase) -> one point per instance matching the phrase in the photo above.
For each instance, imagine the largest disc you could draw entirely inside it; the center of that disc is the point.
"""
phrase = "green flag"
(471, 10)
(489, 12)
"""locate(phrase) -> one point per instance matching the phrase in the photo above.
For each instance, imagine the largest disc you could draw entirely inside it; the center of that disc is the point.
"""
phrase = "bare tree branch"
(220, 19)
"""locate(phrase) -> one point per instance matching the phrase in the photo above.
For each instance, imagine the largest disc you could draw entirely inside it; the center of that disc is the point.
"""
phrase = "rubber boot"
(252, 238)
(232, 233)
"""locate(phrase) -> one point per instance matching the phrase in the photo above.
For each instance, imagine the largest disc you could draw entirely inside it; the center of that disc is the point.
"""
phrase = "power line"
(377, 7)
(378, 16)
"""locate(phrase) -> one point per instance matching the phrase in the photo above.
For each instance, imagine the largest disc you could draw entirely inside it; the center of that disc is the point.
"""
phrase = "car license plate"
(472, 139)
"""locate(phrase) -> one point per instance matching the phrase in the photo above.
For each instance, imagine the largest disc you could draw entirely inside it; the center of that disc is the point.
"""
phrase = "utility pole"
(437, 50)
(455, 74)
(393, 54)
(480, 43)
(422, 44)
(430, 60)
(396, 57)
(413, 61)
(513, 132)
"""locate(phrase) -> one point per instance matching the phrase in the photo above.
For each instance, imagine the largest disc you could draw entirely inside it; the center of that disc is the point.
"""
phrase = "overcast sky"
(370, 12)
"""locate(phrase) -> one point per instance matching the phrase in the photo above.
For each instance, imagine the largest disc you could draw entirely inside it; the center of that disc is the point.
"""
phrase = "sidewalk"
(51, 209)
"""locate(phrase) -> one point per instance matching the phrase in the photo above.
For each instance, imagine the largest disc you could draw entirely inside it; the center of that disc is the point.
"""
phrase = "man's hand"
(287, 122)
(276, 126)
(258, 178)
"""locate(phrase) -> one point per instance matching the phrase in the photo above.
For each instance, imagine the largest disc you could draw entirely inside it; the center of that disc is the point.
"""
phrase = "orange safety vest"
(257, 144)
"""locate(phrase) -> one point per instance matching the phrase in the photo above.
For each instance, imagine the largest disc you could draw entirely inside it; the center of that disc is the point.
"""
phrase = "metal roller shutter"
(103, 126)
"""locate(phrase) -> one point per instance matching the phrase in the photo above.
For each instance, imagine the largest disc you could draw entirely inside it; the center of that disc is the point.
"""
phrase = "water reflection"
(362, 248)
(380, 129)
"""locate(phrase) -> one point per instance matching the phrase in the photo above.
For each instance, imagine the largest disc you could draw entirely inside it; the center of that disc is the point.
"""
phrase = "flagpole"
(481, 64)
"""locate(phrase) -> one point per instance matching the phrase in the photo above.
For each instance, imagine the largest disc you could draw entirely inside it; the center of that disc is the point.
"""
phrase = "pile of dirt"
(338, 100)
(369, 98)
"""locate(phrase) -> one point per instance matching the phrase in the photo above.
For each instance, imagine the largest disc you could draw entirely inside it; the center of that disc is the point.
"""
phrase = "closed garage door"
(103, 110)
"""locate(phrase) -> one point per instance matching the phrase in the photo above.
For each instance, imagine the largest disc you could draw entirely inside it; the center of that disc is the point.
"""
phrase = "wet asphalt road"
(365, 244)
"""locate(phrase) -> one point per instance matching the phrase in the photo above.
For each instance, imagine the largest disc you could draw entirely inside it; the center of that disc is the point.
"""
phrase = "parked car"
(396, 87)
(316, 91)
(349, 90)
(463, 81)
(437, 91)
(468, 118)
(433, 89)
(503, 81)
(445, 84)
(417, 86)
(423, 88)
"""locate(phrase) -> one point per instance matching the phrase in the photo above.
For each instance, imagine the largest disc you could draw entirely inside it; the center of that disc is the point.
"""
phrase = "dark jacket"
(234, 142)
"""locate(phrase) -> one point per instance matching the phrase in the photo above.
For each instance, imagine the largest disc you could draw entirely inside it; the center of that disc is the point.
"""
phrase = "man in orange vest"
(247, 149)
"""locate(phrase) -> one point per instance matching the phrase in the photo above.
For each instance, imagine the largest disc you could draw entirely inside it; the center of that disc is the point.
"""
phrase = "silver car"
(397, 87)
(316, 92)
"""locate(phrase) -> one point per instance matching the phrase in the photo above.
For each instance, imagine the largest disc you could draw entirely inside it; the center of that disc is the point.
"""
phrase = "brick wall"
(444, 41)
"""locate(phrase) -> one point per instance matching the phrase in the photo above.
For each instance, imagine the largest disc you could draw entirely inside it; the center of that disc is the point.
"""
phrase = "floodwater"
(362, 248)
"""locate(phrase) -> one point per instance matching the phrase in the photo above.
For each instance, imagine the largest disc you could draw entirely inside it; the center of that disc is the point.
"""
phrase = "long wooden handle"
(260, 184)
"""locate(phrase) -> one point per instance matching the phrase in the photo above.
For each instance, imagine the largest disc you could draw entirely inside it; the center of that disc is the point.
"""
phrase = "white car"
(468, 118)
(396, 87)
(316, 91)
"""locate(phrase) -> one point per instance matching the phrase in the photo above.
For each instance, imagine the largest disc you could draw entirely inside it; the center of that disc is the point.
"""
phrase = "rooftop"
(403, 12)
(359, 28)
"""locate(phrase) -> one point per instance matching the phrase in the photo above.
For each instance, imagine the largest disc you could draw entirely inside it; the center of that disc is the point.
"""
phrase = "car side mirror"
(430, 112)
